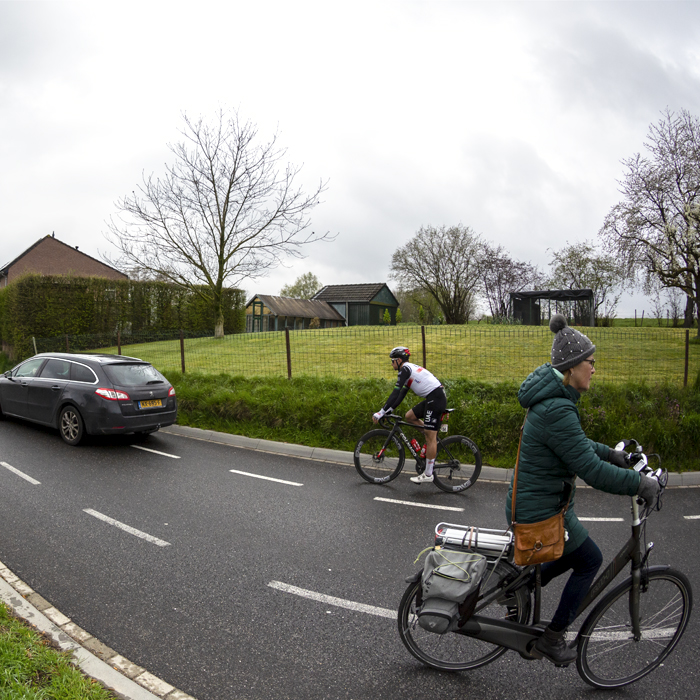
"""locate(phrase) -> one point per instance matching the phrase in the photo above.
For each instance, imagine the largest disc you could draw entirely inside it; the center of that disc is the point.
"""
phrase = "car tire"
(71, 426)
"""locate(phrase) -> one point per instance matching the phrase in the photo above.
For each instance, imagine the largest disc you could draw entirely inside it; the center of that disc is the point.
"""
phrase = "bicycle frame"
(522, 638)
(396, 428)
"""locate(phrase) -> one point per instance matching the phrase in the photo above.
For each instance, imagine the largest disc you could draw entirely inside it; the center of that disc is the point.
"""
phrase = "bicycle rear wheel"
(379, 459)
(608, 654)
(458, 464)
(458, 652)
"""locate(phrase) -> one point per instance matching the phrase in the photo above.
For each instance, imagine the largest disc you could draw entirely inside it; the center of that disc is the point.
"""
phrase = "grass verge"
(335, 412)
(31, 668)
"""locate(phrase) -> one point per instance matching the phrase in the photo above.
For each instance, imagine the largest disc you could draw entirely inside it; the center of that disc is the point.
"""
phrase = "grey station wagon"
(88, 394)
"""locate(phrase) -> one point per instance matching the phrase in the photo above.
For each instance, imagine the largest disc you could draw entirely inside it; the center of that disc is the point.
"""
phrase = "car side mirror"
(8, 374)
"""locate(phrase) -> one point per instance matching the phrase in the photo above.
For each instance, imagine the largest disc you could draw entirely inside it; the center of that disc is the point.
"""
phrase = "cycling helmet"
(400, 353)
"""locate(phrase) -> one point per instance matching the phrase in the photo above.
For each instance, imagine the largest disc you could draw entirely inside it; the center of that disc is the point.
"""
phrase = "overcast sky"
(508, 117)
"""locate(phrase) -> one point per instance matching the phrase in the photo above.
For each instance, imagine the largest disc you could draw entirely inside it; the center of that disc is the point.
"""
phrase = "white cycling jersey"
(418, 379)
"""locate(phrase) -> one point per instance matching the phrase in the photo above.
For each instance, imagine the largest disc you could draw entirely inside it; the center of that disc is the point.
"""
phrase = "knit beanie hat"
(569, 347)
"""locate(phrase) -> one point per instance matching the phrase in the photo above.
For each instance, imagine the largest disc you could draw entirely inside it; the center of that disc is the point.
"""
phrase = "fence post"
(34, 341)
(119, 342)
(182, 350)
(422, 332)
(687, 352)
(289, 354)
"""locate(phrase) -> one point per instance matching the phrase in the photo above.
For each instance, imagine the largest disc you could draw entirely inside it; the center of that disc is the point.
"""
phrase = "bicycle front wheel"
(379, 458)
(457, 652)
(608, 654)
(458, 464)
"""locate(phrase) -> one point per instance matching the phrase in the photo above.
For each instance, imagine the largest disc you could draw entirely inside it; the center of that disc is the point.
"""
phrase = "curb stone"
(127, 680)
(322, 454)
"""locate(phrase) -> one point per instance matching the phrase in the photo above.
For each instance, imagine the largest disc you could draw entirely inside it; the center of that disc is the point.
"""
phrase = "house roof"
(350, 292)
(299, 308)
(5, 268)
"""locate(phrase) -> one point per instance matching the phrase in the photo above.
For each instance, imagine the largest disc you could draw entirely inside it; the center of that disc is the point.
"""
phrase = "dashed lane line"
(692, 517)
(126, 528)
(602, 520)
(266, 478)
(26, 477)
(331, 600)
(418, 505)
(156, 452)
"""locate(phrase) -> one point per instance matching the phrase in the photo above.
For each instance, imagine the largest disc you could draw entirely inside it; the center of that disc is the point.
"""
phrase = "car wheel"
(71, 426)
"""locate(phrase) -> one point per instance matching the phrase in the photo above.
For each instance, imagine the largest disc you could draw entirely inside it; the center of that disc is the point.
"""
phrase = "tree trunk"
(219, 328)
(689, 308)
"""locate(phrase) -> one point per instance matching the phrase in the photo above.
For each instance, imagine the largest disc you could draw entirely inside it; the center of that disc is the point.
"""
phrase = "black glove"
(648, 490)
(618, 458)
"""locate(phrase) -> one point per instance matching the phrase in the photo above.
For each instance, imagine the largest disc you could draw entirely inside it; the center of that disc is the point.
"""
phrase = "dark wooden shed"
(531, 307)
(360, 304)
(269, 313)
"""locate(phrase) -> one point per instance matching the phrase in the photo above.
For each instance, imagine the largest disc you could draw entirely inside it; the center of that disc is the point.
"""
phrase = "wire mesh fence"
(484, 352)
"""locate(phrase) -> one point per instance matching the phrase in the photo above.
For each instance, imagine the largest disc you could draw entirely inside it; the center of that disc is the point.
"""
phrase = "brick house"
(49, 256)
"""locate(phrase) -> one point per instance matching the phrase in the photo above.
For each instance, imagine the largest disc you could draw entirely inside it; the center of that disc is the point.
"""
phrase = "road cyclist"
(427, 414)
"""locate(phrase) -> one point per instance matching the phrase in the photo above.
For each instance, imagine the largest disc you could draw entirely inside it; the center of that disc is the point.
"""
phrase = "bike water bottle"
(415, 445)
(422, 451)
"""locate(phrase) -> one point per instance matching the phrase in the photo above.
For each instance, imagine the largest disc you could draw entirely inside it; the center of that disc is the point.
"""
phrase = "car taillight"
(113, 395)
(172, 391)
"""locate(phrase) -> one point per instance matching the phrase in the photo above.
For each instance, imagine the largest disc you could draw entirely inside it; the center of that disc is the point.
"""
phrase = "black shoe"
(553, 647)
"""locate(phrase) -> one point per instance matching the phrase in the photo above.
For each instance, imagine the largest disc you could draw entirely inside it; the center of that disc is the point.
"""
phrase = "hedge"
(48, 306)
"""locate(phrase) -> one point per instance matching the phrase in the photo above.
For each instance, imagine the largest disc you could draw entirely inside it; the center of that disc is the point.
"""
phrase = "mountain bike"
(627, 635)
(380, 455)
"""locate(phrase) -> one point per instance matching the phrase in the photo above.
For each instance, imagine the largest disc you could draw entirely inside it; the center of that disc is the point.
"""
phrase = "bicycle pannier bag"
(449, 587)
(536, 543)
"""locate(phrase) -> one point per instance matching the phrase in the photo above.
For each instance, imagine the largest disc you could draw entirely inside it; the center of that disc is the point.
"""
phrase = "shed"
(531, 307)
(270, 313)
(360, 304)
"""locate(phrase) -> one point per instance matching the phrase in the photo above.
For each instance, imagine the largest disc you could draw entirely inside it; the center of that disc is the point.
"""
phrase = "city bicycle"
(628, 634)
(380, 455)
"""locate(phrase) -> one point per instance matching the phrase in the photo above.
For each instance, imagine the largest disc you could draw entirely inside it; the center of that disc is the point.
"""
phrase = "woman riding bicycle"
(427, 414)
(554, 451)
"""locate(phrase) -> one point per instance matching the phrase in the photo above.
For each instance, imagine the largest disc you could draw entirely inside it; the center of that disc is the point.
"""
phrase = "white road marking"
(602, 520)
(692, 517)
(330, 600)
(126, 528)
(155, 452)
(418, 505)
(19, 473)
(267, 478)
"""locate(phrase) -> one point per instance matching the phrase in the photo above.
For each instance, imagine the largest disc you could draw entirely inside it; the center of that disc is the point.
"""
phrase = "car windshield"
(123, 374)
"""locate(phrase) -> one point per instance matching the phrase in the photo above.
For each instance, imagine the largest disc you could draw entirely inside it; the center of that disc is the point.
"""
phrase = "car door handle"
(55, 388)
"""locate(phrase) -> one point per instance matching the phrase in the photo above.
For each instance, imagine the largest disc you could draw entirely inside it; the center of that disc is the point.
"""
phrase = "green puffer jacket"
(554, 451)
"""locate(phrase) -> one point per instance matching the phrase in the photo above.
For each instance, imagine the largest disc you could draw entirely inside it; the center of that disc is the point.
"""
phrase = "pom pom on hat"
(569, 347)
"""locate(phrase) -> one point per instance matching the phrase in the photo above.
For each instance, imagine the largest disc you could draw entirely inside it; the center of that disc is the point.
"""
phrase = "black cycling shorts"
(430, 410)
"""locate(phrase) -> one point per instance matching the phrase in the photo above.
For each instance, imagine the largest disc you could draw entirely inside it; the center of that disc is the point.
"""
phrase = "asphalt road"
(198, 592)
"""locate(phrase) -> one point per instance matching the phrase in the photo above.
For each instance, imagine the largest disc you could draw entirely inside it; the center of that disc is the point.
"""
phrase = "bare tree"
(446, 263)
(224, 211)
(656, 226)
(581, 266)
(502, 275)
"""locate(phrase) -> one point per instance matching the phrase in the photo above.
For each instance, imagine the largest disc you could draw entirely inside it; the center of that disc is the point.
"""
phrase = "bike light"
(113, 395)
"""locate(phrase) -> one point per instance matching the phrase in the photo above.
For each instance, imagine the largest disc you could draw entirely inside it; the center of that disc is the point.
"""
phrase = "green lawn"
(480, 352)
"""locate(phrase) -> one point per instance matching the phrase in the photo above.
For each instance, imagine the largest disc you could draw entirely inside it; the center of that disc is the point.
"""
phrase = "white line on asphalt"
(418, 505)
(330, 600)
(602, 520)
(19, 473)
(126, 528)
(692, 517)
(155, 452)
(267, 478)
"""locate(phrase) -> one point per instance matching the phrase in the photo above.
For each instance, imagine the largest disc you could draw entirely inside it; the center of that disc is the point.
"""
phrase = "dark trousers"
(585, 562)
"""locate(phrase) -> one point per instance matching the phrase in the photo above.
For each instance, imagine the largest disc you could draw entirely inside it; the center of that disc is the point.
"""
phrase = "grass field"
(482, 352)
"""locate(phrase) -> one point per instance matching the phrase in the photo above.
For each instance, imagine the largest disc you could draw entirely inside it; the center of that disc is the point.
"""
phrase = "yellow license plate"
(151, 404)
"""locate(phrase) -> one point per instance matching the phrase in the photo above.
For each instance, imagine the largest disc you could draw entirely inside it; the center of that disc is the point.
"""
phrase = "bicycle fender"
(414, 577)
